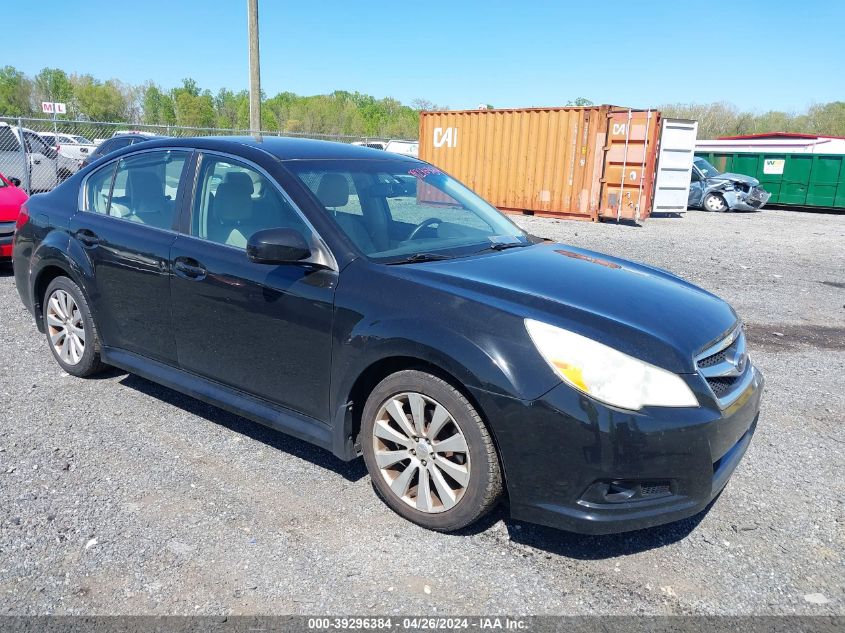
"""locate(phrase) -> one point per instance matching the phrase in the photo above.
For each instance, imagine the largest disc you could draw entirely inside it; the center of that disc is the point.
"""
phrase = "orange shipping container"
(586, 162)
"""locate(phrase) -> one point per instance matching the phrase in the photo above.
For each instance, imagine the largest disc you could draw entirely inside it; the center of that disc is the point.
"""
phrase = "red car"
(11, 199)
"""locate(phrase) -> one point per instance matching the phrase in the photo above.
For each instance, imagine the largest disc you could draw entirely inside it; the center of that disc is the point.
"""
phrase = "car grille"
(724, 366)
(7, 229)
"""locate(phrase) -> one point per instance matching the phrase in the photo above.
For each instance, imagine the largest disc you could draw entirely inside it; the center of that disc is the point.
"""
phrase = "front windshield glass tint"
(395, 209)
(706, 168)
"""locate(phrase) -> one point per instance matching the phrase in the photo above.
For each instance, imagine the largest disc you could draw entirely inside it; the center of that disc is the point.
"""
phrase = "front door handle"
(189, 268)
(87, 237)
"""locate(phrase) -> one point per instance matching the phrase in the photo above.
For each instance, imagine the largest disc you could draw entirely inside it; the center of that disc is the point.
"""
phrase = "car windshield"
(82, 140)
(393, 210)
(706, 168)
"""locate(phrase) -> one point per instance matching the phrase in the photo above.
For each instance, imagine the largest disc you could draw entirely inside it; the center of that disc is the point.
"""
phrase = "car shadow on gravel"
(6, 270)
(351, 471)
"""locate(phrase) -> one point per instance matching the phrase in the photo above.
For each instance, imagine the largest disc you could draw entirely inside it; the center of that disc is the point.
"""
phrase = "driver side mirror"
(277, 246)
(15, 181)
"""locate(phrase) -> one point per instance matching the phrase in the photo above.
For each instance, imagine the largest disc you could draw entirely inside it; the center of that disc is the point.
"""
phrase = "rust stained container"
(562, 162)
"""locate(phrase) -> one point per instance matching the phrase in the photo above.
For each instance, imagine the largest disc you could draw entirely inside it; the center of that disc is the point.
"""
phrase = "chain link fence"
(41, 153)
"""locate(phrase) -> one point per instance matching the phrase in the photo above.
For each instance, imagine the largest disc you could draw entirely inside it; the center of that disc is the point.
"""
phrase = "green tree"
(15, 92)
(158, 107)
(828, 118)
(53, 84)
(193, 108)
(232, 109)
(99, 101)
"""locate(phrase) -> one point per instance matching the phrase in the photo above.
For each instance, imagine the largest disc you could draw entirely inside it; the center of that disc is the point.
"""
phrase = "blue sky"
(759, 55)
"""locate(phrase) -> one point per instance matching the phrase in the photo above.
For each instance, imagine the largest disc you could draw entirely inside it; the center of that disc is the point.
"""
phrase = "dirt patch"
(777, 337)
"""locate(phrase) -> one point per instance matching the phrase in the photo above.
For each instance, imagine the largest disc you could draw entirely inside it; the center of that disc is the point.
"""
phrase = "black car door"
(127, 227)
(262, 329)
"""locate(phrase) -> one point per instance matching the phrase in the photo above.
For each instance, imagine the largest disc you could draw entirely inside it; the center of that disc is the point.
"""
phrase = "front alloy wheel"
(430, 456)
(421, 453)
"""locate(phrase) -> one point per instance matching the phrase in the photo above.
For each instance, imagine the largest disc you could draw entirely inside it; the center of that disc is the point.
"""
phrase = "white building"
(785, 142)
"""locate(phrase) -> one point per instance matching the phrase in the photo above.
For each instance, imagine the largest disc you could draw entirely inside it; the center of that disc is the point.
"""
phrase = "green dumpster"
(806, 180)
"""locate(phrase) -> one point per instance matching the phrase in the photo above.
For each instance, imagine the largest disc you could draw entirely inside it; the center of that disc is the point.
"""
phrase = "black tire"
(484, 488)
(715, 203)
(89, 363)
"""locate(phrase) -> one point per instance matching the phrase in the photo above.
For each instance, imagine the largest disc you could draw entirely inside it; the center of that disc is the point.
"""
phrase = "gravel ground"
(118, 496)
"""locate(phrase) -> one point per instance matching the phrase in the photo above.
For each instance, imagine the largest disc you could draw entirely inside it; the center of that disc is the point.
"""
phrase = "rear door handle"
(87, 237)
(189, 268)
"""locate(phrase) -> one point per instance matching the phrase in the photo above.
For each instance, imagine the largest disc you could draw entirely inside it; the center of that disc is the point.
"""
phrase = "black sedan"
(372, 305)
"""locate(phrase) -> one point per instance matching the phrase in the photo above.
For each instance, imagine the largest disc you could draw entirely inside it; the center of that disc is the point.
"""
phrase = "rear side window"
(141, 189)
(145, 188)
(110, 146)
(35, 144)
(98, 190)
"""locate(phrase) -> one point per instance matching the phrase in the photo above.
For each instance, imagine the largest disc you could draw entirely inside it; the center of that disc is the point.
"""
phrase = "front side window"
(233, 201)
(405, 208)
(142, 190)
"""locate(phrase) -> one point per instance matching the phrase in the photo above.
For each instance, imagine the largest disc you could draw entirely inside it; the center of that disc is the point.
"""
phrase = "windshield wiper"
(420, 257)
(500, 246)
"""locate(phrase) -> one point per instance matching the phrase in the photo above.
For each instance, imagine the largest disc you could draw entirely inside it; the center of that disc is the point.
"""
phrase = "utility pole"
(254, 71)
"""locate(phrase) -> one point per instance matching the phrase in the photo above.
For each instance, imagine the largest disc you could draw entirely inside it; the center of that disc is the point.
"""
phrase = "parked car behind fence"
(101, 132)
(25, 155)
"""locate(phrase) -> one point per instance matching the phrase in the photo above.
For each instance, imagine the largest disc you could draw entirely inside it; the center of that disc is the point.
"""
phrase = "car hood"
(748, 180)
(643, 311)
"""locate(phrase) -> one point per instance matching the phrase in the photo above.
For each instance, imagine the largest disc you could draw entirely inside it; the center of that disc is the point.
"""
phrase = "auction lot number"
(416, 623)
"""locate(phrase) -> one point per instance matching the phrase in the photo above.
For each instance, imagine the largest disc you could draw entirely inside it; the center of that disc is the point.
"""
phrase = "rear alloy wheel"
(428, 453)
(714, 202)
(70, 329)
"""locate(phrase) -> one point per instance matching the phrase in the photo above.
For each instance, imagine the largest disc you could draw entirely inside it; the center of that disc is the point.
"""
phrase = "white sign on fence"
(49, 107)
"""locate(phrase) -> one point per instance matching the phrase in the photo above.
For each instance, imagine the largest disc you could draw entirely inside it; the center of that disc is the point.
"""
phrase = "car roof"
(283, 148)
(134, 135)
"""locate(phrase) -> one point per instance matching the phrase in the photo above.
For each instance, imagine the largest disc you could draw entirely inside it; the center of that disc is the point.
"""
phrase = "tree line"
(725, 119)
(90, 99)
(338, 113)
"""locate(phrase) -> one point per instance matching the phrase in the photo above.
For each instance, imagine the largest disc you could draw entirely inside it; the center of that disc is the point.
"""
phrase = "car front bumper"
(746, 200)
(573, 463)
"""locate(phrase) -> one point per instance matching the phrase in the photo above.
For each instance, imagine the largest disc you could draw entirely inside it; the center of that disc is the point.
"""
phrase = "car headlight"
(607, 374)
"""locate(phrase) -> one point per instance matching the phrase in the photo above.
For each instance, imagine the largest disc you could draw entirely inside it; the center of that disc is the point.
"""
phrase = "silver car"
(713, 190)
